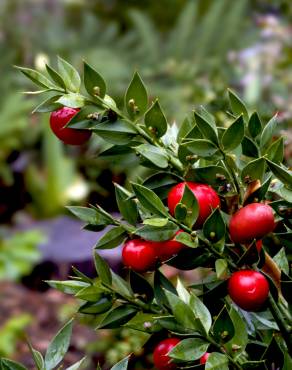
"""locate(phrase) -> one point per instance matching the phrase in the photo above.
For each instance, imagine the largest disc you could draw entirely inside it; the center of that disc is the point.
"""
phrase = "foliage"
(19, 253)
(244, 165)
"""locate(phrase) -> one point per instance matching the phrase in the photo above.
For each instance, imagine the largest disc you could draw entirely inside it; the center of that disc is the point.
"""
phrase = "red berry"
(139, 255)
(160, 358)
(207, 198)
(165, 250)
(204, 358)
(253, 221)
(59, 119)
(248, 289)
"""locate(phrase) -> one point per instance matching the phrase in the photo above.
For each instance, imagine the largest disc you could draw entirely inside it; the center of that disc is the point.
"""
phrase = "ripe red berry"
(207, 198)
(204, 358)
(58, 121)
(248, 289)
(139, 255)
(167, 249)
(253, 221)
(160, 358)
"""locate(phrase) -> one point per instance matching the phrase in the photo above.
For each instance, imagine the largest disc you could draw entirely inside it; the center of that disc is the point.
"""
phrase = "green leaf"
(77, 365)
(118, 317)
(275, 152)
(157, 222)
(122, 365)
(102, 305)
(81, 121)
(138, 93)
(67, 286)
(223, 328)
(102, 269)
(254, 170)
(93, 80)
(49, 105)
(141, 286)
(155, 120)
(90, 215)
(157, 234)
(202, 148)
(149, 200)
(160, 284)
(281, 260)
(287, 361)
(161, 183)
(249, 148)
(234, 135)
(144, 322)
(254, 125)
(240, 338)
(157, 156)
(58, 346)
(112, 238)
(180, 212)
(221, 268)
(187, 240)
(121, 286)
(55, 76)
(181, 311)
(36, 77)
(214, 227)
(127, 206)
(118, 132)
(201, 312)
(182, 292)
(237, 105)
(72, 100)
(217, 361)
(6, 364)
(190, 202)
(70, 75)
(184, 129)
(209, 131)
(189, 349)
(281, 173)
(212, 175)
(268, 132)
(90, 293)
(37, 357)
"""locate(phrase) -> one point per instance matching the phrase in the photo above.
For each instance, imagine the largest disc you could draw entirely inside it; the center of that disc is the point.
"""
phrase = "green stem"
(284, 328)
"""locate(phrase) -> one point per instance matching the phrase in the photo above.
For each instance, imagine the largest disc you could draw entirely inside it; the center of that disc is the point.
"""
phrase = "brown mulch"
(44, 307)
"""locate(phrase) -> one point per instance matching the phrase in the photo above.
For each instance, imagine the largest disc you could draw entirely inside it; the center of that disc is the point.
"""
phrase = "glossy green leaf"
(240, 338)
(181, 311)
(58, 347)
(38, 78)
(281, 260)
(249, 148)
(56, 77)
(112, 238)
(72, 100)
(102, 305)
(254, 170)
(37, 358)
(6, 364)
(149, 200)
(158, 222)
(190, 202)
(209, 131)
(214, 227)
(217, 361)
(144, 322)
(67, 286)
(121, 286)
(118, 133)
(201, 147)
(180, 212)
(155, 120)
(275, 151)
(160, 284)
(287, 361)
(161, 183)
(70, 75)
(93, 80)
(189, 349)
(201, 312)
(187, 240)
(102, 269)
(127, 206)
(90, 215)
(121, 365)
(190, 258)
(77, 365)
(49, 105)
(138, 93)
(221, 268)
(237, 105)
(157, 234)
(212, 175)
(223, 328)
(158, 156)
(268, 132)
(234, 134)
(184, 129)
(118, 317)
(254, 125)
(281, 173)
(81, 121)
(90, 293)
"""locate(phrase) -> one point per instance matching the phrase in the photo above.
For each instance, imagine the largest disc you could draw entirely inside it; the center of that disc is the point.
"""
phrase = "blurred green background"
(187, 51)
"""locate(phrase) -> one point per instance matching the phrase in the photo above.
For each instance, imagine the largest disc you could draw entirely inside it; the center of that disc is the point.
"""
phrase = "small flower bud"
(96, 91)
(212, 235)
